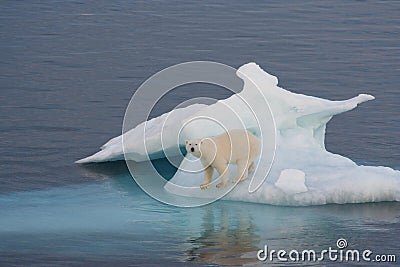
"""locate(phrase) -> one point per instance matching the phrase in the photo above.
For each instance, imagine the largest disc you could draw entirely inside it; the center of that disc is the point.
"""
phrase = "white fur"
(239, 147)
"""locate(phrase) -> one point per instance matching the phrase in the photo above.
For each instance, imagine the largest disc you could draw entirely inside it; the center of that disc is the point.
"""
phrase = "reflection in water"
(117, 168)
(104, 170)
(222, 233)
(227, 237)
(232, 232)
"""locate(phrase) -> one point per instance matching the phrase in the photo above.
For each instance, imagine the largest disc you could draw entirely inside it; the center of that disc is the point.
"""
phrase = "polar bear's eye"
(190, 144)
(196, 144)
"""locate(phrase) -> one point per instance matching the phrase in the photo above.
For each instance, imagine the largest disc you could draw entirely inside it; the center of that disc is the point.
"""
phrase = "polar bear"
(238, 146)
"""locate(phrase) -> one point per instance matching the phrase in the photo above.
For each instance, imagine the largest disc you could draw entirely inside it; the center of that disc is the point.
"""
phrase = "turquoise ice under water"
(114, 222)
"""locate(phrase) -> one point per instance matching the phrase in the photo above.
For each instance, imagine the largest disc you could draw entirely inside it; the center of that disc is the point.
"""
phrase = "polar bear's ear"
(186, 142)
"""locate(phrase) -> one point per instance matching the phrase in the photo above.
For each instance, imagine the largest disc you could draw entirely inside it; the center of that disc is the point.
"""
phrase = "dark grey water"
(68, 70)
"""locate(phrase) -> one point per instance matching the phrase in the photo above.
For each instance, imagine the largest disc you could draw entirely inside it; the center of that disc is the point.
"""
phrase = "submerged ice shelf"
(319, 177)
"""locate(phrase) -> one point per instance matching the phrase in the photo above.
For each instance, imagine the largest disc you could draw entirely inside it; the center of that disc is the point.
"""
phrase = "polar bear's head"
(193, 147)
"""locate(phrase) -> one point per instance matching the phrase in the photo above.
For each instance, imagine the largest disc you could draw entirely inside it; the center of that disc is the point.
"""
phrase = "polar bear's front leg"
(208, 173)
(243, 168)
(223, 173)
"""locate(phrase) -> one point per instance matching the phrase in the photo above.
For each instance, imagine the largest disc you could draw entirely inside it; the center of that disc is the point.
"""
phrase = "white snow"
(291, 181)
(135, 147)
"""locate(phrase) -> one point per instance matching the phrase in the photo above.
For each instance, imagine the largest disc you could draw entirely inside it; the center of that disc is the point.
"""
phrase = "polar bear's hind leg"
(251, 166)
(242, 169)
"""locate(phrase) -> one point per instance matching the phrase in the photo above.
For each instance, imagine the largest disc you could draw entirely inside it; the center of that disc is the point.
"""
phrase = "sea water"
(68, 70)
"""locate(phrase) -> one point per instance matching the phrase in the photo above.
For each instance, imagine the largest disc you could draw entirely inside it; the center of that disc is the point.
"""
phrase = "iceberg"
(300, 169)
(150, 131)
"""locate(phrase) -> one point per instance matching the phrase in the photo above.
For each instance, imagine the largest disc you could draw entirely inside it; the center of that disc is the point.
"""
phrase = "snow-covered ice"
(297, 130)
(291, 181)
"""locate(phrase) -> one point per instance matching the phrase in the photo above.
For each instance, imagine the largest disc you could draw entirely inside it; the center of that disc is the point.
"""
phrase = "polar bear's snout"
(192, 146)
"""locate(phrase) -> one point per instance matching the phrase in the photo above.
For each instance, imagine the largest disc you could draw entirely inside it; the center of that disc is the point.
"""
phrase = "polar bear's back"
(241, 143)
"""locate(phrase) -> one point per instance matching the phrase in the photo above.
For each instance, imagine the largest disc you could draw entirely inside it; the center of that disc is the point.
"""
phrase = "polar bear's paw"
(221, 185)
(239, 179)
(204, 186)
(236, 180)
